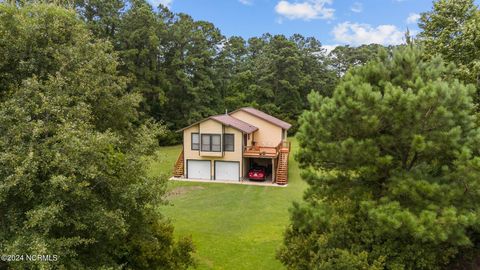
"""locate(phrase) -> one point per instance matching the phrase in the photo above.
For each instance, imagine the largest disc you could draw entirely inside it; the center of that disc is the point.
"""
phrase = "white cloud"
(329, 48)
(358, 34)
(166, 3)
(246, 2)
(306, 10)
(413, 18)
(357, 7)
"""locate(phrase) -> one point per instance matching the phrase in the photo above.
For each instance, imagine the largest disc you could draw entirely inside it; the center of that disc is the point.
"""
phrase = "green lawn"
(232, 226)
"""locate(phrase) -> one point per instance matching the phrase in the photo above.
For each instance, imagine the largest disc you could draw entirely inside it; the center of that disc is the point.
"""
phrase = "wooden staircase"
(178, 169)
(282, 167)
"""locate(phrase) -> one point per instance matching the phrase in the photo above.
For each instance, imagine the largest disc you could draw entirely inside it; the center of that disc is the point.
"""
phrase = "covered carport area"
(266, 162)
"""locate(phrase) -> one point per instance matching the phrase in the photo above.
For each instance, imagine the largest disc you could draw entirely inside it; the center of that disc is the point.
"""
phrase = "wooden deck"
(259, 151)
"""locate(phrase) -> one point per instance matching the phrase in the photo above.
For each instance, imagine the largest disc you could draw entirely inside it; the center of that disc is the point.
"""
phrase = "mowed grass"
(232, 226)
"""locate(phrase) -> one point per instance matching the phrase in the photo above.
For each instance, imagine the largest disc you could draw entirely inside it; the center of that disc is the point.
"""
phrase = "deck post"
(273, 170)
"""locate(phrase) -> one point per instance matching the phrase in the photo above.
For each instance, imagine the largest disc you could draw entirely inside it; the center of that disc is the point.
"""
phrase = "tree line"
(186, 70)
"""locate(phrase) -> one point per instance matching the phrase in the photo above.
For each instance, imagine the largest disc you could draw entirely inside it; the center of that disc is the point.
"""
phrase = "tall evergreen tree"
(190, 53)
(281, 72)
(139, 42)
(279, 76)
(102, 16)
(393, 168)
(345, 57)
(232, 75)
(315, 66)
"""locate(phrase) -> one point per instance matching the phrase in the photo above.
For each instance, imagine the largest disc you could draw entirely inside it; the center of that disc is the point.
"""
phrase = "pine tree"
(139, 42)
(393, 168)
(345, 57)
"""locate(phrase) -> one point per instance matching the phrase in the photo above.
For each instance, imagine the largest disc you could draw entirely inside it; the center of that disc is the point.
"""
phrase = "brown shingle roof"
(234, 122)
(228, 120)
(265, 117)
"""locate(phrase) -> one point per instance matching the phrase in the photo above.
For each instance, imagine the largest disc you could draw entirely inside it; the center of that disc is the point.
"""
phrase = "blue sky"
(333, 22)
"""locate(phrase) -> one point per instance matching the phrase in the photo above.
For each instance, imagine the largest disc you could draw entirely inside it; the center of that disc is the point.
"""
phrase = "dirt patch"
(181, 191)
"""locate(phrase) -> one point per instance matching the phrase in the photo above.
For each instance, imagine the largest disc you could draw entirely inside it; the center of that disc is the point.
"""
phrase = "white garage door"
(198, 169)
(225, 170)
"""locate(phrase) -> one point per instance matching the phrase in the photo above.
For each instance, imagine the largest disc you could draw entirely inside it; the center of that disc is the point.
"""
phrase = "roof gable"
(229, 121)
(265, 117)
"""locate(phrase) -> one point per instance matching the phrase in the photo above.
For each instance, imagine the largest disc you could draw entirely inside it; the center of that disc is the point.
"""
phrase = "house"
(225, 147)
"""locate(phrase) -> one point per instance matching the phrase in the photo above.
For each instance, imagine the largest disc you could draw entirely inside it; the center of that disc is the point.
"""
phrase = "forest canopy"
(186, 70)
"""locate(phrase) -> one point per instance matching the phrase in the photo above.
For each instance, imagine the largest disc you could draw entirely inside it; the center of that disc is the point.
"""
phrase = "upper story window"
(229, 142)
(211, 142)
(195, 141)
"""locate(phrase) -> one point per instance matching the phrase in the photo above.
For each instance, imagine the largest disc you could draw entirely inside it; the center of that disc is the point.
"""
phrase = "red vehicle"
(257, 173)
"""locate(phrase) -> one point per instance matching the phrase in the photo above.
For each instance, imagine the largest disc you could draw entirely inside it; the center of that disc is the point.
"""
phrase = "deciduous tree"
(452, 29)
(72, 179)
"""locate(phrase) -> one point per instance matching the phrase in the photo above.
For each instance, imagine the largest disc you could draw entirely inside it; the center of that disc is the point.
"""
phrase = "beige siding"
(187, 141)
(267, 134)
(212, 127)
(238, 153)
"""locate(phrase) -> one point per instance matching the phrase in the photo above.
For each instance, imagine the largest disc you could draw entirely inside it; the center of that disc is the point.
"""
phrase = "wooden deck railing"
(257, 148)
(268, 151)
(285, 145)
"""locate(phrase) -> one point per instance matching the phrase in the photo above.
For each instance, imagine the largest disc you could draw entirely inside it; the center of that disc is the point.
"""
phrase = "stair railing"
(179, 159)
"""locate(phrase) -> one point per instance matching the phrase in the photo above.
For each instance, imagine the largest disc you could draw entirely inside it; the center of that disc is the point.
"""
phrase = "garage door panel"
(198, 169)
(227, 171)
